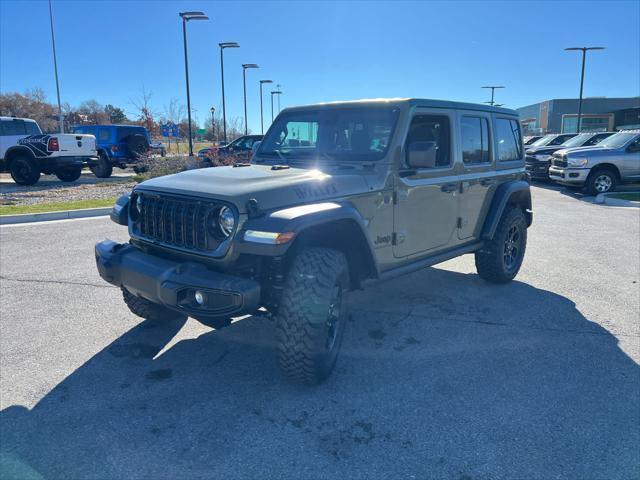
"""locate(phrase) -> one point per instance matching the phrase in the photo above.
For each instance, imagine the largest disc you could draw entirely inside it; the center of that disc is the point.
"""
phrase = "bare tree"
(144, 112)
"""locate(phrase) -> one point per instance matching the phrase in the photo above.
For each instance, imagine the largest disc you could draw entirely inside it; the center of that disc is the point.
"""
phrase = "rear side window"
(508, 139)
(475, 140)
(103, 135)
(14, 127)
(32, 128)
(432, 128)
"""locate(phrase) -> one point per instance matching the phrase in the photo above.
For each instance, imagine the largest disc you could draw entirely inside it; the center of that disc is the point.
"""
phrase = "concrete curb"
(605, 199)
(61, 215)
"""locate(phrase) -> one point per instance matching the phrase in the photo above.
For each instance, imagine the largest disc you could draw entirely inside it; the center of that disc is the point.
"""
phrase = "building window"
(590, 123)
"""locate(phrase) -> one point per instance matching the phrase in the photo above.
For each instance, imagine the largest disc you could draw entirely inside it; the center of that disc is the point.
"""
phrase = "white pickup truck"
(26, 152)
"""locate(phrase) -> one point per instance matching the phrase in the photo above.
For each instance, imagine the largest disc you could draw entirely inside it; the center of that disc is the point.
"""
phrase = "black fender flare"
(515, 192)
(17, 149)
(302, 219)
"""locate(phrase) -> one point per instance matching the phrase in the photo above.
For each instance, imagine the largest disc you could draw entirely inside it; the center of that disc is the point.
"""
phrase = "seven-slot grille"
(180, 222)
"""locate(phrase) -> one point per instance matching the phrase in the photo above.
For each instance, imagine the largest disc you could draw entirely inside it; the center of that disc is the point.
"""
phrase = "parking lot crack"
(60, 282)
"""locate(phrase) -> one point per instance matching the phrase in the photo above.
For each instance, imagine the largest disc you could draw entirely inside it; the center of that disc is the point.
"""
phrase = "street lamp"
(187, 16)
(261, 116)
(55, 68)
(213, 125)
(274, 92)
(244, 84)
(222, 46)
(278, 87)
(493, 88)
(584, 57)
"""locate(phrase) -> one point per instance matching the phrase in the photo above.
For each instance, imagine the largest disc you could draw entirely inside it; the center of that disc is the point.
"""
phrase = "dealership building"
(560, 115)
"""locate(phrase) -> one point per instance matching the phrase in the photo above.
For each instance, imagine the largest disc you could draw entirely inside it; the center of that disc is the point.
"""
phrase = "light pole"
(222, 46)
(261, 115)
(274, 92)
(186, 16)
(244, 85)
(213, 125)
(55, 68)
(493, 89)
(279, 87)
(584, 58)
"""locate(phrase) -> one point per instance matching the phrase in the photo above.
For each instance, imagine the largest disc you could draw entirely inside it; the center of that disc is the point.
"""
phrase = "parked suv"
(26, 152)
(337, 196)
(600, 168)
(118, 145)
(538, 159)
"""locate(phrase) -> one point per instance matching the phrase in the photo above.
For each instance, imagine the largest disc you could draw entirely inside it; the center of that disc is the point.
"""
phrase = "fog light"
(200, 298)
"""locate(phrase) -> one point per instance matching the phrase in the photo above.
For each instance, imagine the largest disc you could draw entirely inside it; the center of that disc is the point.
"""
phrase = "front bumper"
(538, 170)
(173, 284)
(568, 176)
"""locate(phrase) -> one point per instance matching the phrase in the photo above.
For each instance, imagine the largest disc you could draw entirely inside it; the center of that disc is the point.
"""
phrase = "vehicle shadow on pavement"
(441, 375)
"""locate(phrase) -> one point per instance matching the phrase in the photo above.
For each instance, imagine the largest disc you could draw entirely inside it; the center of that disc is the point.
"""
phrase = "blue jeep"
(117, 145)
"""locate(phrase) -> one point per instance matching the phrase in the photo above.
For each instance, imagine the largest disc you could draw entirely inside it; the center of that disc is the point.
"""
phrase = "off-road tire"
(69, 174)
(491, 262)
(599, 178)
(148, 310)
(24, 170)
(312, 315)
(102, 168)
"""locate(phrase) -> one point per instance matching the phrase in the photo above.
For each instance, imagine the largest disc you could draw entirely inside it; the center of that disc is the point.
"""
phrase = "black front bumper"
(538, 170)
(174, 284)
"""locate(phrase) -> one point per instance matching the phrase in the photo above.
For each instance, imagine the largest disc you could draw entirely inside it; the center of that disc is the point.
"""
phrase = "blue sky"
(109, 50)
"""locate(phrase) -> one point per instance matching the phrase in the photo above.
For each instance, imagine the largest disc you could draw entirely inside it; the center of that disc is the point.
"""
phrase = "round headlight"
(226, 221)
(135, 206)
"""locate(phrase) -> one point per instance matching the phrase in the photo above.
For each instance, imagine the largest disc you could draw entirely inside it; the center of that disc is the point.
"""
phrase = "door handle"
(487, 182)
(449, 187)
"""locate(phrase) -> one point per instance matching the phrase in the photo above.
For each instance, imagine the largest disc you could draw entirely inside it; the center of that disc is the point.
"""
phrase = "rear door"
(477, 179)
(12, 130)
(426, 202)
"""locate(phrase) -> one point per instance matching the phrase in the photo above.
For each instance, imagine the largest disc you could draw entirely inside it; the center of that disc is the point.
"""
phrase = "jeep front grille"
(175, 221)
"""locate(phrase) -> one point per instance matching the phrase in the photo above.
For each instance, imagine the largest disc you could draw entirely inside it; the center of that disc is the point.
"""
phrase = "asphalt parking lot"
(441, 375)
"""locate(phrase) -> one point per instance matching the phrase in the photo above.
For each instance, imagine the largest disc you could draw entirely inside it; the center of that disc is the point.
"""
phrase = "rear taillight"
(114, 148)
(53, 145)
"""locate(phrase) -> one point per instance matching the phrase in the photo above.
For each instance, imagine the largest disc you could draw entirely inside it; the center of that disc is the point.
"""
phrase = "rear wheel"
(25, 170)
(312, 315)
(69, 174)
(148, 310)
(102, 168)
(500, 259)
(602, 180)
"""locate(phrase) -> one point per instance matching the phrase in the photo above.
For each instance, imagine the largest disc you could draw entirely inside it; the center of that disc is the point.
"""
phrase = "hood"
(542, 150)
(583, 151)
(271, 187)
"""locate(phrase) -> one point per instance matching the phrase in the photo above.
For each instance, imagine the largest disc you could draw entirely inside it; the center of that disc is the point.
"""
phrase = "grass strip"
(57, 206)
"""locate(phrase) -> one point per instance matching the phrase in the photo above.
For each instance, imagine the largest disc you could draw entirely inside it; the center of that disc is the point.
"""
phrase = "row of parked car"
(594, 161)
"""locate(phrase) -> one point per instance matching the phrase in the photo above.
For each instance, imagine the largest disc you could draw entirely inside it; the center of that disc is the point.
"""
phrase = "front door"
(477, 179)
(631, 161)
(426, 202)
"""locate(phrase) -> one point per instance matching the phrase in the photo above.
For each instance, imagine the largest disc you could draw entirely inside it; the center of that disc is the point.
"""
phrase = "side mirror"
(634, 147)
(422, 154)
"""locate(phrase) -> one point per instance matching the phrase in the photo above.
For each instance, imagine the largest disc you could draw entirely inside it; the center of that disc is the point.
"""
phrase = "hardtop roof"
(409, 102)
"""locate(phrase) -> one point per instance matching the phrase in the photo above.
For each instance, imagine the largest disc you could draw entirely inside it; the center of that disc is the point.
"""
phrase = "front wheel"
(602, 180)
(312, 315)
(25, 170)
(69, 174)
(500, 259)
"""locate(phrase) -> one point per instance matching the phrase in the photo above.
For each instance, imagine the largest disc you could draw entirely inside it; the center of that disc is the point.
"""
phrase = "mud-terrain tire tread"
(103, 168)
(489, 259)
(146, 309)
(301, 317)
(29, 180)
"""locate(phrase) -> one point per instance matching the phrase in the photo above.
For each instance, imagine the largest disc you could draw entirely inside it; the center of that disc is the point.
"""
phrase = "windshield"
(618, 140)
(578, 140)
(546, 140)
(352, 134)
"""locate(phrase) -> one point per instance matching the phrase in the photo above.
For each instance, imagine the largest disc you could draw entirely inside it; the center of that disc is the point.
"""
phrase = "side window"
(32, 128)
(474, 133)
(432, 128)
(508, 140)
(103, 135)
(14, 127)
